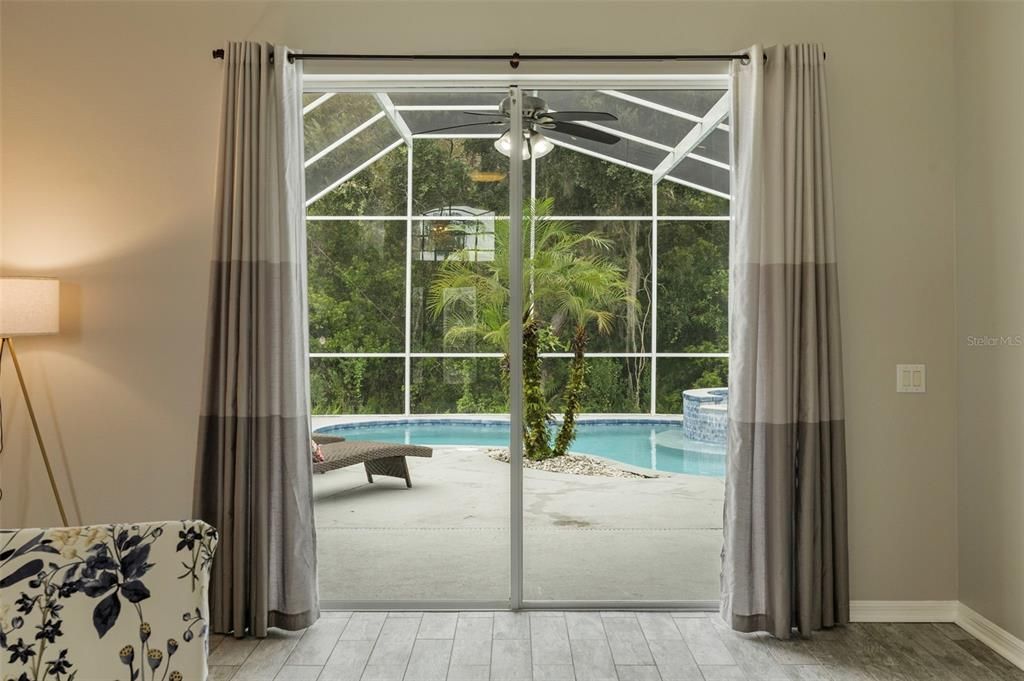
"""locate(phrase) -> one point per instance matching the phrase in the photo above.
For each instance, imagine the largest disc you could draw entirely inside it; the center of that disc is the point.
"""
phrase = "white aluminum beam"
(344, 138)
(639, 218)
(704, 127)
(356, 218)
(456, 136)
(640, 101)
(396, 118)
(650, 143)
(316, 102)
(446, 107)
(355, 171)
(407, 388)
(699, 187)
(498, 355)
(710, 161)
(653, 373)
(562, 218)
(678, 113)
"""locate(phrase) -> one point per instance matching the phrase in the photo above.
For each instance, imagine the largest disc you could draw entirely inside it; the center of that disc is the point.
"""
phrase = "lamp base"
(35, 426)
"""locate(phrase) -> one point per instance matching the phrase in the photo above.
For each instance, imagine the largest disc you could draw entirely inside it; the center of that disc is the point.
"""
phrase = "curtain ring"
(745, 60)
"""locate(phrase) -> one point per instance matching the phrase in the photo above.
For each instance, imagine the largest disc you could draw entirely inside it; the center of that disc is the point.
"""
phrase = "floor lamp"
(30, 306)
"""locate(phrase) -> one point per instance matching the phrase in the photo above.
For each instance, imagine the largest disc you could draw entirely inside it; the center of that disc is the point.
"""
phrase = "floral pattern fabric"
(105, 602)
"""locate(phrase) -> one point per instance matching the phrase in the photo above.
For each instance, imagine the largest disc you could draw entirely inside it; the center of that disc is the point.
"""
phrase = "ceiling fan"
(537, 118)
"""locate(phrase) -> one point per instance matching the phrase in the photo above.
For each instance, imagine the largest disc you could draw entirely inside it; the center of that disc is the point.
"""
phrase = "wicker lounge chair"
(378, 458)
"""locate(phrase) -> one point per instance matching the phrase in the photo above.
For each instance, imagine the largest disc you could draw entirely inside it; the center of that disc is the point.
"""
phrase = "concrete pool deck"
(447, 538)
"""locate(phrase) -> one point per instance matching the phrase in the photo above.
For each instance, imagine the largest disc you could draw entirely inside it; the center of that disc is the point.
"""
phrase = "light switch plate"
(910, 378)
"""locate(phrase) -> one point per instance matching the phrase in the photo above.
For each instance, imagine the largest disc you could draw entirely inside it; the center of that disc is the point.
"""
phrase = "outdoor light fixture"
(540, 145)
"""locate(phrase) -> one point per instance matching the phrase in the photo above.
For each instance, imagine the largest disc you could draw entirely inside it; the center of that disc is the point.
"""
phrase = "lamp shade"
(29, 306)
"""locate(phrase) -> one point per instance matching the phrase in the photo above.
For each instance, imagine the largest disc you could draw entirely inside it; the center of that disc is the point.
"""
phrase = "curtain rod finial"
(218, 54)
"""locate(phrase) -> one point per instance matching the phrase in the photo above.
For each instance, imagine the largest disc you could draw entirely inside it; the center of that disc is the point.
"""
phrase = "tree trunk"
(536, 415)
(632, 319)
(574, 388)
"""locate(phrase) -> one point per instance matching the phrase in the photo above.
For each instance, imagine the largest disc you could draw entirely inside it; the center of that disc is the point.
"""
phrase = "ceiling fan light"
(533, 142)
(540, 145)
(504, 145)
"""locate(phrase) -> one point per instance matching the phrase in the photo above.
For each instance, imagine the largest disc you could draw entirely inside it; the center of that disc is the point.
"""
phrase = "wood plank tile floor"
(593, 646)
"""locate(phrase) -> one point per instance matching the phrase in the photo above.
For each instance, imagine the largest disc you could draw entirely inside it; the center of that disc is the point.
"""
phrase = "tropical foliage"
(569, 282)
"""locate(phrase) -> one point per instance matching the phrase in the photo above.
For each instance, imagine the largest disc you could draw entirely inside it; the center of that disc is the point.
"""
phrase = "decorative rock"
(575, 464)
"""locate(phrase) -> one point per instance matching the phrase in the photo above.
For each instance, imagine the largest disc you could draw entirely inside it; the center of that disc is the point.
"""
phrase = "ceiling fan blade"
(583, 132)
(462, 125)
(581, 116)
(485, 113)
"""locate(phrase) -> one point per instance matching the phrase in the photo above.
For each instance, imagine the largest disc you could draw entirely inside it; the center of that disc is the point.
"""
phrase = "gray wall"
(990, 283)
(109, 134)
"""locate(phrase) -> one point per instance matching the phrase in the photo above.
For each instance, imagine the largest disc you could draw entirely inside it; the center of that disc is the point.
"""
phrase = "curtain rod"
(514, 60)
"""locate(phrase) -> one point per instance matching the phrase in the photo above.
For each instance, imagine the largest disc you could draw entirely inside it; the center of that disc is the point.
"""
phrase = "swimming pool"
(655, 445)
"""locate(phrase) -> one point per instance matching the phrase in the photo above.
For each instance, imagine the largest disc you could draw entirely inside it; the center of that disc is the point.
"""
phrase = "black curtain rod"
(514, 60)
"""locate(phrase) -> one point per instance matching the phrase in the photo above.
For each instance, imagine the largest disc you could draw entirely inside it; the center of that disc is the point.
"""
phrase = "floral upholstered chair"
(105, 603)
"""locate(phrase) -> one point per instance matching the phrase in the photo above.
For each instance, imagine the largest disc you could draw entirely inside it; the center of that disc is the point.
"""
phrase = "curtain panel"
(785, 563)
(254, 470)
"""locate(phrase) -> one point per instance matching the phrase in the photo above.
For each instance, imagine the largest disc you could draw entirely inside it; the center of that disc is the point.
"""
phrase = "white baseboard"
(904, 611)
(992, 635)
(983, 629)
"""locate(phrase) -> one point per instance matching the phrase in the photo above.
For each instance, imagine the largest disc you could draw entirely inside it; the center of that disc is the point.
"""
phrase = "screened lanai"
(414, 177)
(626, 198)
(676, 135)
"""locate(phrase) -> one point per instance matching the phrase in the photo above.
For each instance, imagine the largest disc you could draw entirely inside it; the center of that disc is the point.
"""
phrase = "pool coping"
(354, 421)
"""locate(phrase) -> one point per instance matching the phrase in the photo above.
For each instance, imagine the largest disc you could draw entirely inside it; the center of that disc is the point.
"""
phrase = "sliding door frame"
(361, 83)
(515, 346)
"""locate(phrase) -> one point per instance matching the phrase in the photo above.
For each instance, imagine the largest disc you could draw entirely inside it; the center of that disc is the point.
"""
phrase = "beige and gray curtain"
(785, 563)
(254, 470)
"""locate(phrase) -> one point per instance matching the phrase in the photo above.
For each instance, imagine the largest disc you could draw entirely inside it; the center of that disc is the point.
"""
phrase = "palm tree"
(568, 284)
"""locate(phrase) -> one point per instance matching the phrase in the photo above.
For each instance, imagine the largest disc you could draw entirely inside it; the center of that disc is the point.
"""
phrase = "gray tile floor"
(592, 646)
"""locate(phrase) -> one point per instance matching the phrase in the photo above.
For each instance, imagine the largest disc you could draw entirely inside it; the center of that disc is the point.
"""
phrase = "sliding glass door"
(627, 506)
(408, 240)
(552, 255)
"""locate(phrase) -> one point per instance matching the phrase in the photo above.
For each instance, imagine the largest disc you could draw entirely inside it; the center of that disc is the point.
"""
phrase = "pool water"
(654, 445)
